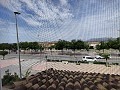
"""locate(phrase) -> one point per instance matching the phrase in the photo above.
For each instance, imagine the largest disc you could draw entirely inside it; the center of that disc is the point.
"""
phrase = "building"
(93, 44)
(46, 45)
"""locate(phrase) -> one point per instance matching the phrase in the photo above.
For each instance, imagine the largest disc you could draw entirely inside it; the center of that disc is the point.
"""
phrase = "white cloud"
(41, 10)
(2, 22)
(101, 23)
(64, 2)
(31, 21)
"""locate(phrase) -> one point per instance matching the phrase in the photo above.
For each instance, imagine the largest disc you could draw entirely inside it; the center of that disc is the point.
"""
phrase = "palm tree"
(106, 56)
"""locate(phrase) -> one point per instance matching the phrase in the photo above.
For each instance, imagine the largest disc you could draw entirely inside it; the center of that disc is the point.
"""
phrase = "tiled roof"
(69, 80)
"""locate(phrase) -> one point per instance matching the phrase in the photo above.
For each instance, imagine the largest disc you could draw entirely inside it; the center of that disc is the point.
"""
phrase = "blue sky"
(50, 20)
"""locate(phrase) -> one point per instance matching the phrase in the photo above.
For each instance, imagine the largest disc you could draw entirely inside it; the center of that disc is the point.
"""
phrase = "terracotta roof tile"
(70, 80)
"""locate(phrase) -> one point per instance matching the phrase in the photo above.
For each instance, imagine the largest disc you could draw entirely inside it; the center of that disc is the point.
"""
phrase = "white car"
(99, 57)
(89, 58)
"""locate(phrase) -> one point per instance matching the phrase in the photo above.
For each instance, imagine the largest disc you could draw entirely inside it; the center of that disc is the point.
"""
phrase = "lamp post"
(0, 78)
(46, 61)
(17, 13)
(119, 40)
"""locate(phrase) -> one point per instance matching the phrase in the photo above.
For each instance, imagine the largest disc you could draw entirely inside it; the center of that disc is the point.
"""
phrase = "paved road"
(113, 59)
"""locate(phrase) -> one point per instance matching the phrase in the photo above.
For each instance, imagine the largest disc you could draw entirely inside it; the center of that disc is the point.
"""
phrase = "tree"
(110, 43)
(24, 46)
(77, 44)
(14, 47)
(41, 48)
(73, 45)
(67, 45)
(98, 47)
(118, 43)
(9, 47)
(86, 46)
(106, 56)
(3, 46)
(102, 46)
(113, 44)
(34, 46)
(80, 45)
(60, 45)
(51, 47)
(3, 53)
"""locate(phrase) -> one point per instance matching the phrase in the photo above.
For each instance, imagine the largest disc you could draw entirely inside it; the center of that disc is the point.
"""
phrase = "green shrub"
(27, 73)
(8, 78)
(77, 63)
(48, 60)
(84, 62)
(95, 62)
(115, 63)
(72, 61)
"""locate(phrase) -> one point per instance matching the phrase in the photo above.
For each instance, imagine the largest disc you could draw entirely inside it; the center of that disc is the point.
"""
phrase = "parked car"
(99, 57)
(89, 58)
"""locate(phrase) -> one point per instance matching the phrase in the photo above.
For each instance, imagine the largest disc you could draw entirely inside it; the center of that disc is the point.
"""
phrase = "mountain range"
(100, 39)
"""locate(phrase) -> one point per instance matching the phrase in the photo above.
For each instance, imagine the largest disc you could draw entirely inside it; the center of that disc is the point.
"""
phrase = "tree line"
(110, 44)
(73, 45)
(62, 44)
(23, 46)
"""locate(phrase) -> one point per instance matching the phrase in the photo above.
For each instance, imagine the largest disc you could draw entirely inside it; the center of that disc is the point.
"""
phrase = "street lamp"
(46, 61)
(17, 13)
(0, 78)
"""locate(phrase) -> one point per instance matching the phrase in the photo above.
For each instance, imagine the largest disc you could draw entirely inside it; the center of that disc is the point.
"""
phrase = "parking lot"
(30, 60)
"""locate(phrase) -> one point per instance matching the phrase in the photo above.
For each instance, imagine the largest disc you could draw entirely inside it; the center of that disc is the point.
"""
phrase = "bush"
(77, 63)
(27, 73)
(72, 61)
(84, 62)
(50, 60)
(115, 63)
(95, 62)
(8, 79)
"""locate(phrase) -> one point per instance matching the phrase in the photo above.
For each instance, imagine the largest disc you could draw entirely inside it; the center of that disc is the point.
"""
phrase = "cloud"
(2, 22)
(41, 10)
(64, 2)
(65, 19)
